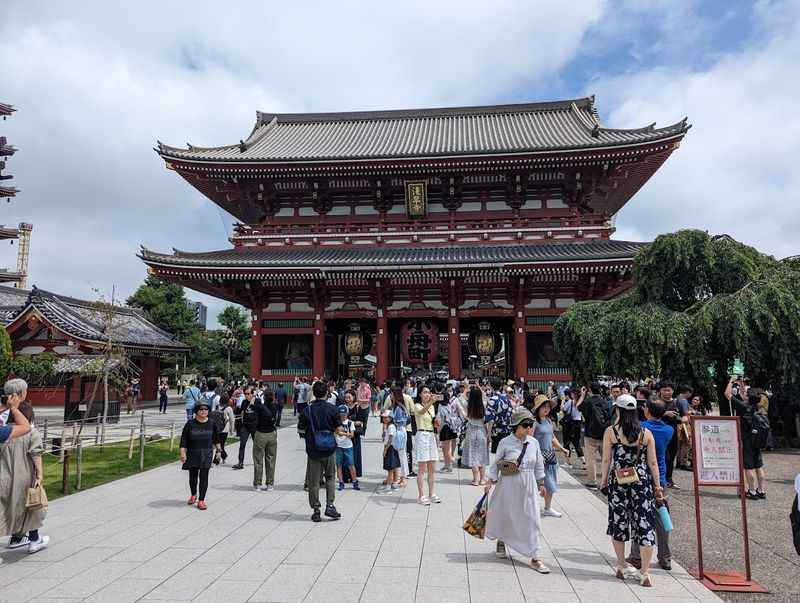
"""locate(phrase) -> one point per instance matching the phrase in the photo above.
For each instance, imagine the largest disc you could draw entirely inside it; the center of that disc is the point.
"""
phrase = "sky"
(96, 84)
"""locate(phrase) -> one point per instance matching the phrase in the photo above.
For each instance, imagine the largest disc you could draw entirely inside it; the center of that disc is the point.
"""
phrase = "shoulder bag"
(509, 467)
(626, 476)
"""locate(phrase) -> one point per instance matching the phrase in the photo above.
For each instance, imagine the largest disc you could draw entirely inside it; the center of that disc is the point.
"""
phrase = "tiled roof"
(6, 109)
(350, 257)
(84, 320)
(520, 128)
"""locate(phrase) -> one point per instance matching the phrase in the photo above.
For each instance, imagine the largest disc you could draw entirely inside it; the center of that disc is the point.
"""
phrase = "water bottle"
(663, 516)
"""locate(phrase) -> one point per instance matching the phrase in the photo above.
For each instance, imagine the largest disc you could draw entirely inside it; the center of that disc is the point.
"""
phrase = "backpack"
(757, 428)
(599, 419)
(324, 441)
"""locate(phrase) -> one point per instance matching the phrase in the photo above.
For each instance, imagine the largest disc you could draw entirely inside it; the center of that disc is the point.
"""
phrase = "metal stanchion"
(171, 436)
(44, 434)
(130, 444)
(63, 445)
(96, 433)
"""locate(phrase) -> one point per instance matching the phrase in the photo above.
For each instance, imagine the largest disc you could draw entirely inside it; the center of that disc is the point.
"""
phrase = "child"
(391, 459)
(344, 449)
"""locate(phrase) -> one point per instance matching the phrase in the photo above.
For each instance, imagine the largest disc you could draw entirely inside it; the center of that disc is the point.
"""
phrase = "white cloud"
(736, 170)
(97, 83)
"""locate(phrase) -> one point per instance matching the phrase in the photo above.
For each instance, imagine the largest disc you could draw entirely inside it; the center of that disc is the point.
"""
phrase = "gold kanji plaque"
(416, 198)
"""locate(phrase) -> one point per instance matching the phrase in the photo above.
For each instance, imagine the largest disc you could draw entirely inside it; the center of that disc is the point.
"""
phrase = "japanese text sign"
(716, 443)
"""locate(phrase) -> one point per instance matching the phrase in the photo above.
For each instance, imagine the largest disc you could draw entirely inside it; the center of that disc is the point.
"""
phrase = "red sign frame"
(713, 580)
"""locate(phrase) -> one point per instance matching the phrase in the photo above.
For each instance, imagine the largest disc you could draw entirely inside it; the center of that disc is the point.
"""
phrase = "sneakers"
(341, 486)
(15, 544)
(256, 487)
(673, 485)
(539, 566)
(665, 564)
(356, 485)
(38, 545)
(551, 513)
(435, 499)
(591, 486)
(382, 489)
(315, 516)
(761, 494)
(330, 511)
(270, 487)
(412, 474)
(192, 500)
(237, 466)
(751, 495)
(394, 488)
(646, 580)
(202, 505)
(500, 551)
(424, 501)
(566, 466)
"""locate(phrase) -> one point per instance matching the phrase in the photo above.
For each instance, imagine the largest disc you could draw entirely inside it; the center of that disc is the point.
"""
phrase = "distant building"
(200, 312)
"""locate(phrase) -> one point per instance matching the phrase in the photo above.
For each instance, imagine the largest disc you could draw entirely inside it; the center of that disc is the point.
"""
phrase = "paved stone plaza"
(136, 539)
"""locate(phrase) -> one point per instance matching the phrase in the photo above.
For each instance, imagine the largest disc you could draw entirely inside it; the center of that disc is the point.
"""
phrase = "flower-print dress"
(631, 507)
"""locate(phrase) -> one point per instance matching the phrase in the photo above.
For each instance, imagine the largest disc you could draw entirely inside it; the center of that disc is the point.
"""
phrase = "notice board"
(717, 442)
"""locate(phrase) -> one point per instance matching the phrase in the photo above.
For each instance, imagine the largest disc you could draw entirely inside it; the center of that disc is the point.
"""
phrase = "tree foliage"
(37, 370)
(5, 354)
(164, 304)
(697, 302)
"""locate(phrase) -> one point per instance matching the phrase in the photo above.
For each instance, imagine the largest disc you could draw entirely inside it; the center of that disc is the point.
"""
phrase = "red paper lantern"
(420, 341)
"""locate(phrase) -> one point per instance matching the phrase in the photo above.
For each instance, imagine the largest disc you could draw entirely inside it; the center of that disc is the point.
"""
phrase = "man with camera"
(745, 401)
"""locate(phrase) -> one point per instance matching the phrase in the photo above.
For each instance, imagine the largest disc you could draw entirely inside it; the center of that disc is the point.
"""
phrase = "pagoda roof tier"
(252, 260)
(544, 127)
(8, 232)
(83, 320)
(8, 191)
(6, 109)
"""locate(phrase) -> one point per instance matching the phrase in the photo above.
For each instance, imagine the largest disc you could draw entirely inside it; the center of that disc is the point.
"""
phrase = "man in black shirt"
(745, 403)
(318, 425)
(265, 442)
(673, 416)
(280, 402)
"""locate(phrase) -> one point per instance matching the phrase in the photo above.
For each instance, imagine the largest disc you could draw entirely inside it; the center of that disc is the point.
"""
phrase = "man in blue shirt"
(191, 396)
(662, 434)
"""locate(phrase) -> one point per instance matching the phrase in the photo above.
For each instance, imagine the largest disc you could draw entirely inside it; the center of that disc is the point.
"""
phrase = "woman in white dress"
(512, 517)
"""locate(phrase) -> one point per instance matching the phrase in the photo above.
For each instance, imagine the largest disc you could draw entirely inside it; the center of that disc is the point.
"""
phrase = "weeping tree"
(697, 304)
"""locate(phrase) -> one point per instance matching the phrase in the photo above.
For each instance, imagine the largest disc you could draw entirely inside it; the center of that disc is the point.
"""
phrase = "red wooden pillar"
(319, 345)
(148, 382)
(453, 345)
(520, 345)
(256, 345)
(382, 348)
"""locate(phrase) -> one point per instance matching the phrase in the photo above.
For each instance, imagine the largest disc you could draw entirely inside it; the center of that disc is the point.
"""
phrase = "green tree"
(5, 354)
(38, 370)
(164, 304)
(697, 304)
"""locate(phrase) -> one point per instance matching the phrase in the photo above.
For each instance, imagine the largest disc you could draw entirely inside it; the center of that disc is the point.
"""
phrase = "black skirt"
(446, 434)
(391, 460)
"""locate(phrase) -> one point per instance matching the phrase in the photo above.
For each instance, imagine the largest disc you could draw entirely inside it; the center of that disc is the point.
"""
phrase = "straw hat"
(538, 401)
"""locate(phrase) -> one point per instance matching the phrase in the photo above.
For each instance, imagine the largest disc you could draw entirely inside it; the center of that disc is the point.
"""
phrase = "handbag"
(628, 475)
(549, 457)
(509, 467)
(475, 525)
(36, 497)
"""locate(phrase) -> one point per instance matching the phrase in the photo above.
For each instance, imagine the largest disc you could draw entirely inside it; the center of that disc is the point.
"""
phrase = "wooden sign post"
(717, 461)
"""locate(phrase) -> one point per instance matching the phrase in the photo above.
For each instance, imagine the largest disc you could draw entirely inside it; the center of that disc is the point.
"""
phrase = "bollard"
(96, 433)
(141, 444)
(130, 444)
(78, 459)
(171, 436)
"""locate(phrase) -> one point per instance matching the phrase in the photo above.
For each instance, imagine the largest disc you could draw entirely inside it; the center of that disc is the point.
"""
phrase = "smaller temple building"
(77, 331)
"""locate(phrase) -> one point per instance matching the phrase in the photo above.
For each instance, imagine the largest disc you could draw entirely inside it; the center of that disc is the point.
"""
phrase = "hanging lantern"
(420, 341)
(484, 341)
(354, 342)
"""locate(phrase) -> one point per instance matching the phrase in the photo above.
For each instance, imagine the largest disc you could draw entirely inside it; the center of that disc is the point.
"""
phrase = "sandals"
(646, 580)
(627, 571)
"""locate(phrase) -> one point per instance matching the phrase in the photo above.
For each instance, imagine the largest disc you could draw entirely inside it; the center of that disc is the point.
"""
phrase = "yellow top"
(424, 418)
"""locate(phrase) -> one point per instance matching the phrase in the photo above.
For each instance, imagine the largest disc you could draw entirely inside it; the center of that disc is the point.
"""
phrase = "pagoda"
(444, 240)
(23, 232)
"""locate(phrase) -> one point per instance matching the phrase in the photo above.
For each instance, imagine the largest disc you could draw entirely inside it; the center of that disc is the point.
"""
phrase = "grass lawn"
(100, 466)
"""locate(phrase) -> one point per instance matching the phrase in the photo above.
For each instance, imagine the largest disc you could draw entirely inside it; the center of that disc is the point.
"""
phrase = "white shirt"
(343, 441)
(389, 434)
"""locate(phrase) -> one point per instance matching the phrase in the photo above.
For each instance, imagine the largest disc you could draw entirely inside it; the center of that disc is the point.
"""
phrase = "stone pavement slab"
(136, 540)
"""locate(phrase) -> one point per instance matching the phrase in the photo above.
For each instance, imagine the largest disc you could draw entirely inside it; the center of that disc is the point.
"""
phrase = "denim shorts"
(344, 457)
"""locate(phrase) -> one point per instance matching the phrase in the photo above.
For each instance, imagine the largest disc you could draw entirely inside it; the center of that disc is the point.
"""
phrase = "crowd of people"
(627, 438)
